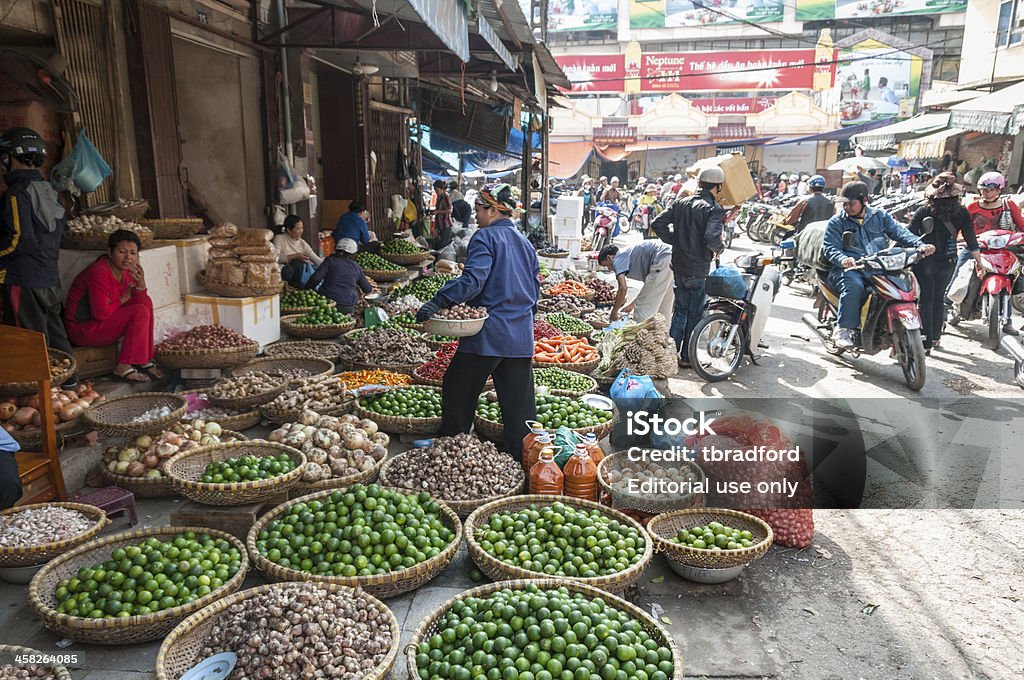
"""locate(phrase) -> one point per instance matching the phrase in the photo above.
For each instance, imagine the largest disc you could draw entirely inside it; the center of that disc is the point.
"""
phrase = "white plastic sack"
(961, 282)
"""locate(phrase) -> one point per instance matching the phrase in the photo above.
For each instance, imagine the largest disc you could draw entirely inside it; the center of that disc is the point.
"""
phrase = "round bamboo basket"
(499, 570)
(242, 421)
(428, 627)
(313, 368)
(547, 307)
(664, 527)
(570, 393)
(180, 650)
(668, 503)
(408, 259)
(397, 425)
(584, 367)
(174, 228)
(405, 369)
(462, 508)
(157, 487)
(318, 349)
(207, 358)
(385, 275)
(366, 477)
(291, 311)
(56, 379)
(237, 289)
(323, 332)
(248, 401)
(113, 630)
(32, 437)
(8, 652)
(97, 240)
(281, 416)
(495, 431)
(30, 556)
(185, 471)
(588, 296)
(127, 209)
(381, 585)
(119, 416)
(553, 256)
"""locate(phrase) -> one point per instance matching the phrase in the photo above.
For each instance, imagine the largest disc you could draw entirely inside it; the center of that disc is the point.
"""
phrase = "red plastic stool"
(112, 499)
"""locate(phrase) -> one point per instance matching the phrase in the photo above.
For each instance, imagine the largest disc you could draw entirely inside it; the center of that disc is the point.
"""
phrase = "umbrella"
(896, 162)
(862, 162)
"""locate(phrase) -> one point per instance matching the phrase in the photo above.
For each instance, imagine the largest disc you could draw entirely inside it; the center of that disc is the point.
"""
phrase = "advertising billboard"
(583, 15)
(812, 10)
(685, 13)
(875, 80)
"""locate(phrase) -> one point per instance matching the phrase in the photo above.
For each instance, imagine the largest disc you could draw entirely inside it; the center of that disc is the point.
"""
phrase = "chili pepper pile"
(436, 367)
(356, 379)
(542, 329)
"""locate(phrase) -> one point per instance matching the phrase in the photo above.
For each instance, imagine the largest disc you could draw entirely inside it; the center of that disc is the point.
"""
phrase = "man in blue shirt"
(501, 274)
(10, 484)
(871, 229)
(353, 224)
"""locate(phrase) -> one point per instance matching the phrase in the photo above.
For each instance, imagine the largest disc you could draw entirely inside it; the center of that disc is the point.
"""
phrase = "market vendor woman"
(108, 302)
(501, 275)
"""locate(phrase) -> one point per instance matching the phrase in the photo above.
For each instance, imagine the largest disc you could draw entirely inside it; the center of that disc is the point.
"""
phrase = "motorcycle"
(991, 296)
(793, 271)
(889, 316)
(1016, 350)
(605, 225)
(734, 319)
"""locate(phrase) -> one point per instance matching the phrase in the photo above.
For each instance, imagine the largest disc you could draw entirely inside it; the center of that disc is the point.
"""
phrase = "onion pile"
(68, 405)
(205, 337)
(146, 456)
(334, 447)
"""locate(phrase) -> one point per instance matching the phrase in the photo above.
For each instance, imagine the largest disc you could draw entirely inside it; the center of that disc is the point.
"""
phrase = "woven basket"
(584, 367)
(40, 554)
(500, 571)
(208, 358)
(588, 296)
(314, 368)
(8, 652)
(32, 437)
(495, 432)
(428, 627)
(462, 508)
(407, 259)
(573, 393)
(668, 503)
(119, 630)
(173, 228)
(291, 311)
(129, 209)
(186, 469)
(236, 289)
(664, 527)
(585, 307)
(553, 256)
(23, 388)
(243, 421)
(405, 369)
(157, 487)
(420, 380)
(367, 477)
(384, 275)
(324, 332)
(120, 416)
(304, 348)
(250, 400)
(279, 417)
(396, 425)
(97, 240)
(380, 585)
(180, 650)
(437, 344)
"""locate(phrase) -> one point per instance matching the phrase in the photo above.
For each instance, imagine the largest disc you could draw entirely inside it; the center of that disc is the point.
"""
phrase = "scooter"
(793, 271)
(1016, 350)
(733, 323)
(990, 297)
(605, 226)
(889, 316)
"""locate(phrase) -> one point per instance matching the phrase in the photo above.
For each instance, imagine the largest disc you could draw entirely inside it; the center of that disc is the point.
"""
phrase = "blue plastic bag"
(635, 392)
(307, 273)
(84, 168)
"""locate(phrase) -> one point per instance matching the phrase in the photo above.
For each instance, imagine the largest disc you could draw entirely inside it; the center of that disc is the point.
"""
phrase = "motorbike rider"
(612, 193)
(871, 229)
(693, 227)
(654, 206)
(816, 208)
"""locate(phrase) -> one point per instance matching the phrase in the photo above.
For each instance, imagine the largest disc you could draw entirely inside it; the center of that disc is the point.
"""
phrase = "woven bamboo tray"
(500, 571)
(584, 367)
(495, 431)
(157, 487)
(279, 417)
(437, 344)
(120, 630)
(385, 275)
(420, 380)
(428, 627)
(355, 334)
(250, 400)
(97, 240)
(407, 259)
(666, 503)
(120, 416)
(39, 554)
(8, 652)
(396, 425)
(236, 289)
(664, 527)
(380, 585)
(366, 477)
(186, 469)
(324, 332)
(462, 508)
(32, 437)
(22, 388)
(304, 348)
(553, 256)
(180, 650)
(291, 311)
(572, 393)
(208, 358)
(128, 209)
(314, 368)
(588, 296)
(174, 228)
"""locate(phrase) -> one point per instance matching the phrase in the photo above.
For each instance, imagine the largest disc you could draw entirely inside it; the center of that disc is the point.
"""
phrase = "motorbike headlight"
(996, 242)
(893, 262)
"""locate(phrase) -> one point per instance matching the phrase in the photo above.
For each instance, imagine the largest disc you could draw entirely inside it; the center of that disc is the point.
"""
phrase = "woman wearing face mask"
(108, 302)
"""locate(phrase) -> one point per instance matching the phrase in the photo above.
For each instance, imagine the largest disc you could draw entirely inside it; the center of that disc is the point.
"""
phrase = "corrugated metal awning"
(992, 113)
(929, 146)
(889, 136)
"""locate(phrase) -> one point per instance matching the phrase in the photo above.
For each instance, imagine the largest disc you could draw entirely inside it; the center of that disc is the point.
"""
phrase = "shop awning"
(655, 144)
(611, 152)
(889, 136)
(566, 158)
(992, 113)
(447, 19)
(840, 135)
(929, 146)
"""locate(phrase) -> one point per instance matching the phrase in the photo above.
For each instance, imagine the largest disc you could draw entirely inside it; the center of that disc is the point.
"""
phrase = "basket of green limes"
(303, 302)
(320, 324)
(235, 473)
(413, 408)
(710, 545)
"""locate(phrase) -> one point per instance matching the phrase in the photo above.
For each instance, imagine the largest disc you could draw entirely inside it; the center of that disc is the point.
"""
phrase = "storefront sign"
(679, 13)
(813, 10)
(796, 157)
(594, 72)
(732, 105)
(576, 15)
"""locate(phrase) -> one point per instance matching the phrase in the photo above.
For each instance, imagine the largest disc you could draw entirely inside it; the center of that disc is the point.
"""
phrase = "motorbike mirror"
(847, 239)
(927, 225)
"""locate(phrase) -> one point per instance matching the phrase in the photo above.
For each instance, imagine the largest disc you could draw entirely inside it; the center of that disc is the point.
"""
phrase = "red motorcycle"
(990, 297)
(605, 226)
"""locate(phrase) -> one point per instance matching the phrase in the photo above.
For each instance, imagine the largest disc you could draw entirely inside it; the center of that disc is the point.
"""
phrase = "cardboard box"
(739, 185)
(191, 254)
(571, 244)
(565, 226)
(258, 318)
(570, 206)
(162, 281)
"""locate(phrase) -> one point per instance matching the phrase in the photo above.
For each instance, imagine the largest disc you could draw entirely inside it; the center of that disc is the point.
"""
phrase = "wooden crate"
(95, 361)
(234, 519)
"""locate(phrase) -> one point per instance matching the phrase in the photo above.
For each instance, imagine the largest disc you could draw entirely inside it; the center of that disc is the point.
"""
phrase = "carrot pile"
(569, 288)
(563, 350)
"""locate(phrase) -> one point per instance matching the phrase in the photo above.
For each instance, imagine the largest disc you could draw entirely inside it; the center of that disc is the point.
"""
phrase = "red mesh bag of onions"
(757, 436)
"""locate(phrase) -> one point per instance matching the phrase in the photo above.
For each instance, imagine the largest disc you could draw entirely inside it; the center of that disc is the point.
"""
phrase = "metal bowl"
(454, 328)
(20, 575)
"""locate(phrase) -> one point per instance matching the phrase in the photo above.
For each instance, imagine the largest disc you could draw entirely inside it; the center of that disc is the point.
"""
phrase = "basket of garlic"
(90, 232)
(639, 484)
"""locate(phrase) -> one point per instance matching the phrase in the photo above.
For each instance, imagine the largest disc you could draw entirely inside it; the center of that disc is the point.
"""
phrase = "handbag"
(1005, 218)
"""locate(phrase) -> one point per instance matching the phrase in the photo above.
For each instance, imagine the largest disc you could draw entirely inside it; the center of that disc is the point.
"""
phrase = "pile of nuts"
(146, 456)
(317, 349)
(39, 526)
(28, 672)
(461, 312)
(205, 337)
(632, 476)
(456, 468)
(389, 347)
(318, 394)
(334, 447)
(245, 385)
(302, 630)
(570, 304)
